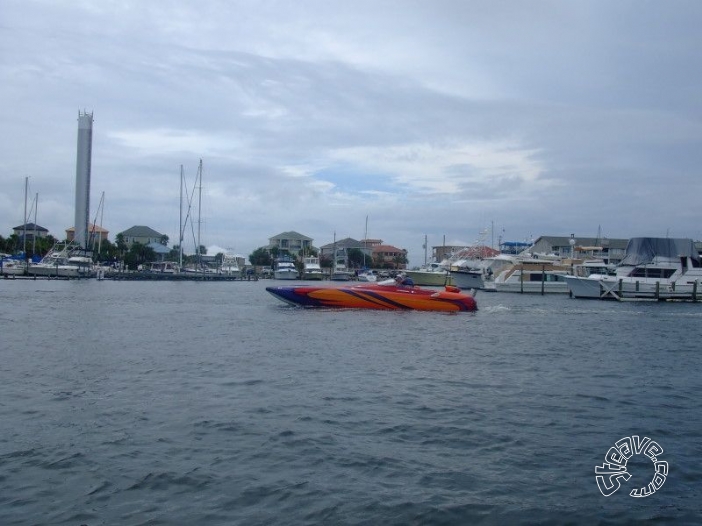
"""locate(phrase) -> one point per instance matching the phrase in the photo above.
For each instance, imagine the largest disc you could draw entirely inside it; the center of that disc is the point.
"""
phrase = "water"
(213, 403)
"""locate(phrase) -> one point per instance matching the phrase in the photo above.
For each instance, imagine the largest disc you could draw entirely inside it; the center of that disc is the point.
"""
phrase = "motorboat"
(312, 269)
(64, 261)
(431, 275)
(284, 268)
(383, 295)
(467, 278)
(652, 268)
(532, 276)
(367, 276)
(10, 266)
(230, 265)
(340, 271)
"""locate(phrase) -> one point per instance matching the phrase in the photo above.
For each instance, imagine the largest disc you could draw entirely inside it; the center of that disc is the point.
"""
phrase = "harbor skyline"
(439, 120)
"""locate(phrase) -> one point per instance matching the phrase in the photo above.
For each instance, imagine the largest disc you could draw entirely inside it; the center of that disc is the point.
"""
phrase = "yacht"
(284, 268)
(230, 265)
(312, 269)
(10, 266)
(64, 261)
(531, 276)
(432, 275)
(652, 268)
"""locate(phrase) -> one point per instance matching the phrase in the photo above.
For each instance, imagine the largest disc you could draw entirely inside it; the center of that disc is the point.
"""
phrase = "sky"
(458, 121)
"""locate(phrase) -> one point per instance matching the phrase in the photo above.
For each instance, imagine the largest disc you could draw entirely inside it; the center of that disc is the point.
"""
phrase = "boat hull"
(377, 297)
(285, 274)
(467, 279)
(631, 288)
(428, 279)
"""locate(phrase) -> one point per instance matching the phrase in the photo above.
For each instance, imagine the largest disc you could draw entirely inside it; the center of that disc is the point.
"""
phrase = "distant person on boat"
(404, 281)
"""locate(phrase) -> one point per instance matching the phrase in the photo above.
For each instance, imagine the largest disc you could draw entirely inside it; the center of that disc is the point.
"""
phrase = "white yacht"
(431, 275)
(312, 269)
(230, 265)
(653, 268)
(11, 266)
(284, 268)
(532, 276)
(64, 261)
(341, 271)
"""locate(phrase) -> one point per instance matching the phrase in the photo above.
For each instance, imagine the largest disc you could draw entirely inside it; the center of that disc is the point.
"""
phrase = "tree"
(356, 258)
(164, 240)
(138, 255)
(261, 257)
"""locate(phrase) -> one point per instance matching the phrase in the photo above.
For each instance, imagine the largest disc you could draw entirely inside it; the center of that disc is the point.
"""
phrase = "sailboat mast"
(180, 224)
(199, 219)
(102, 213)
(365, 243)
(24, 226)
(34, 237)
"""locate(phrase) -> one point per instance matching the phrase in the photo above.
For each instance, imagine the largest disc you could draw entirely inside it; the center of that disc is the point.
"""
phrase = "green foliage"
(261, 257)
(356, 259)
(139, 255)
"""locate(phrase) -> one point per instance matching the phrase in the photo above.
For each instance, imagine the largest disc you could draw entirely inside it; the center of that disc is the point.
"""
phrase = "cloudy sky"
(437, 118)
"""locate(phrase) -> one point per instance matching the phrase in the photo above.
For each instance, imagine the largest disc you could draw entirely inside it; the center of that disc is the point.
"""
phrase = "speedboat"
(388, 295)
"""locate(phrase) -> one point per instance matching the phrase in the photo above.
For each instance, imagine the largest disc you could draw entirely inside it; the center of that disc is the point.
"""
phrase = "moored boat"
(312, 269)
(12, 266)
(432, 275)
(284, 268)
(544, 277)
(385, 295)
(653, 268)
(64, 261)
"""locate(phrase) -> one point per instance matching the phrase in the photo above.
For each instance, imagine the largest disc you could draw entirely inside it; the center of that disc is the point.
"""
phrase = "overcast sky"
(436, 118)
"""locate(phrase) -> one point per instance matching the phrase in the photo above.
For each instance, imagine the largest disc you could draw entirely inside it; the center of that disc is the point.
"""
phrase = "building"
(140, 234)
(610, 250)
(95, 233)
(32, 230)
(327, 251)
(292, 242)
(391, 257)
(161, 251)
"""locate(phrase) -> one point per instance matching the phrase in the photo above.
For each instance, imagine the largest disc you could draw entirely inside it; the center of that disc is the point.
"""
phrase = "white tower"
(85, 145)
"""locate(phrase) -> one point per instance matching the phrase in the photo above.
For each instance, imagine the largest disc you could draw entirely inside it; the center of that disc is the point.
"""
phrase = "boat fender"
(451, 288)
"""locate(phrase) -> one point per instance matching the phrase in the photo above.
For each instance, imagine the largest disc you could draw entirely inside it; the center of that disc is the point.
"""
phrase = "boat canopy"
(642, 250)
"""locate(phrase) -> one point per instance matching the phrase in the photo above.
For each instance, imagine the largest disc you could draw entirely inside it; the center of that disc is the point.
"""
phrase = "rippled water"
(214, 403)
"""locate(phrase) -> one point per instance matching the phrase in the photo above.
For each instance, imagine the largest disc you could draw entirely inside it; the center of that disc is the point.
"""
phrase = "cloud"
(434, 119)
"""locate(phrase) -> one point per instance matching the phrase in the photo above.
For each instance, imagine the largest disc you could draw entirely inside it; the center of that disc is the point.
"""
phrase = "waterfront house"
(610, 250)
(96, 233)
(32, 230)
(140, 234)
(292, 242)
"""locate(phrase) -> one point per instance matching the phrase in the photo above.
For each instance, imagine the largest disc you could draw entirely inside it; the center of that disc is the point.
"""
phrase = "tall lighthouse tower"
(85, 145)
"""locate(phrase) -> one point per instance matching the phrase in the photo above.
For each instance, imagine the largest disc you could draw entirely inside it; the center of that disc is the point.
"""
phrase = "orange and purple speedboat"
(380, 296)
